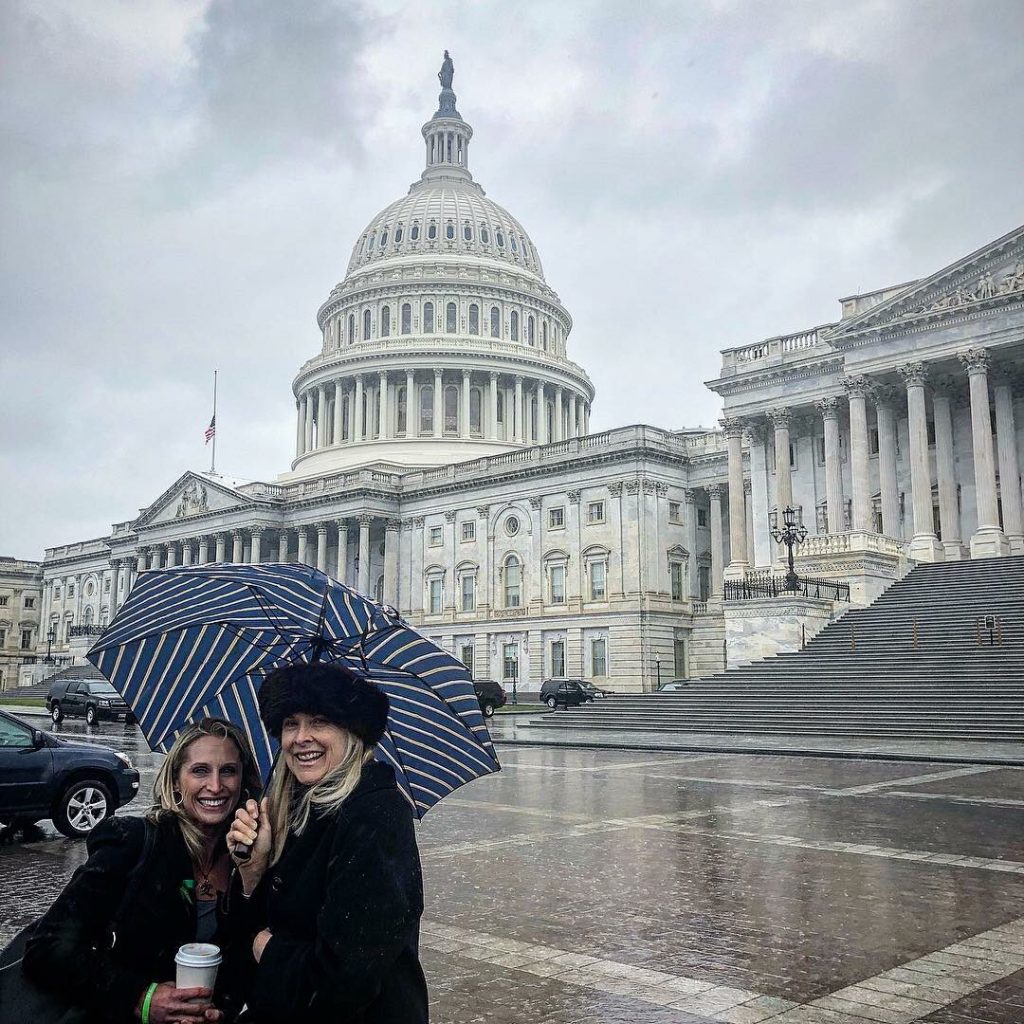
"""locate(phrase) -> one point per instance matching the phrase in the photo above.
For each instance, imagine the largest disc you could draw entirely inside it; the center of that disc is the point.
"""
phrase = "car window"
(77, 688)
(102, 688)
(14, 734)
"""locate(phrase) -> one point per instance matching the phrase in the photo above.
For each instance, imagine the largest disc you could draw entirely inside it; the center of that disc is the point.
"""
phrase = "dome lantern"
(446, 134)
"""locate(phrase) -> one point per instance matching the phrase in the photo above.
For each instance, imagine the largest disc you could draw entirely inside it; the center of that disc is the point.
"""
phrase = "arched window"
(428, 318)
(513, 326)
(500, 238)
(451, 409)
(369, 244)
(415, 233)
(403, 410)
(529, 329)
(427, 409)
(385, 322)
(476, 405)
(485, 235)
(512, 242)
(495, 322)
(432, 231)
(384, 238)
(467, 232)
(406, 318)
(449, 231)
(513, 582)
(398, 233)
(544, 334)
(474, 318)
(366, 325)
(501, 407)
(451, 318)
(351, 328)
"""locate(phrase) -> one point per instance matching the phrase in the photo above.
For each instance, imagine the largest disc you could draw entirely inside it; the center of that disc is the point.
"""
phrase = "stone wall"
(767, 626)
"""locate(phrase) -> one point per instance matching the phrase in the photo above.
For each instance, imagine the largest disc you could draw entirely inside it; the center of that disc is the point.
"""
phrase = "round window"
(89, 588)
(512, 525)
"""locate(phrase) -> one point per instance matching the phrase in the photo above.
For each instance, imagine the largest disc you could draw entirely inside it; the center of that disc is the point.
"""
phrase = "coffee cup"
(197, 966)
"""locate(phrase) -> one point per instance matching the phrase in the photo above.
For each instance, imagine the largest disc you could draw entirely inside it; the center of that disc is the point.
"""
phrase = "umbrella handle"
(242, 851)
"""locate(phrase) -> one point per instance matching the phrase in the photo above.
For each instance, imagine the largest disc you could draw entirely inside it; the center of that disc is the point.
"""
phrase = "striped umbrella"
(198, 640)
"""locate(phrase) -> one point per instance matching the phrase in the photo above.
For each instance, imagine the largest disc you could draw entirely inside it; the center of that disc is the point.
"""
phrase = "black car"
(567, 692)
(77, 785)
(594, 691)
(491, 695)
(93, 699)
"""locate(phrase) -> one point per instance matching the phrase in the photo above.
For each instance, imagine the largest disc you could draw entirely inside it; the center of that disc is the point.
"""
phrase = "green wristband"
(145, 1002)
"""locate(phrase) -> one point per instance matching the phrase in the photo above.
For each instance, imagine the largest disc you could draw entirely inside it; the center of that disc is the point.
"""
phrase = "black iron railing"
(74, 631)
(765, 584)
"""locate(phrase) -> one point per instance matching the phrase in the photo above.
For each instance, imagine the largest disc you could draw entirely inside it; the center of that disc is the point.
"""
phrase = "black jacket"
(344, 905)
(69, 950)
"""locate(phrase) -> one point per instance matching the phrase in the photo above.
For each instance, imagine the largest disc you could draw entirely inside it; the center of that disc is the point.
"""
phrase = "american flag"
(211, 430)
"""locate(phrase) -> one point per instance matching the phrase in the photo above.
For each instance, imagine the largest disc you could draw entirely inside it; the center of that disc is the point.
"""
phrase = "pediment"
(190, 495)
(991, 277)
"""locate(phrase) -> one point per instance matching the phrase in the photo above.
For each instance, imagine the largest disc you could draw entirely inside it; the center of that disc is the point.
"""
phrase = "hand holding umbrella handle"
(241, 852)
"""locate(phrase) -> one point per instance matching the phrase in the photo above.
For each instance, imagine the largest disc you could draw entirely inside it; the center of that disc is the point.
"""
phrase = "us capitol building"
(444, 461)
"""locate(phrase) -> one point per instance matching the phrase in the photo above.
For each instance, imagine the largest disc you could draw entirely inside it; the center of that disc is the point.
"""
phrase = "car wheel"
(551, 703)
(90, 715)
(82, 806)
(488, 709)
(56, 713)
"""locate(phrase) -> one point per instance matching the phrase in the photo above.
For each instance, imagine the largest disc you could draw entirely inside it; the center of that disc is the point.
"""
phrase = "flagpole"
(213, 454)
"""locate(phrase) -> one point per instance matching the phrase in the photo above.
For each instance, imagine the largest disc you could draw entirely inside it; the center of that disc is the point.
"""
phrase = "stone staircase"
(914, 664)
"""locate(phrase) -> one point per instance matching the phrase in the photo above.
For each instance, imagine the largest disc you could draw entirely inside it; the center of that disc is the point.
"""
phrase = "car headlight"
(124, 759)
(105, 702)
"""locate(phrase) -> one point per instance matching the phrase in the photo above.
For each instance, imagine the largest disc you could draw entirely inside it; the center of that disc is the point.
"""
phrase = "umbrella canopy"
(198, 641)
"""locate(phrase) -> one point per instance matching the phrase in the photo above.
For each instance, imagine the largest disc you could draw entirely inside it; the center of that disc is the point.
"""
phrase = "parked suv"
(76, 785)
(567, 692)
(491, 695)
(93, 699)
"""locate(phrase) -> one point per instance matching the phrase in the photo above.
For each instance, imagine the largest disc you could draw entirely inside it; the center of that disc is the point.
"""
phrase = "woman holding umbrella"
(333, 873)
(115, 965)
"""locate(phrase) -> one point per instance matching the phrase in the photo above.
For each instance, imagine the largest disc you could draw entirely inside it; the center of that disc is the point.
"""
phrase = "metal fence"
(765, 584)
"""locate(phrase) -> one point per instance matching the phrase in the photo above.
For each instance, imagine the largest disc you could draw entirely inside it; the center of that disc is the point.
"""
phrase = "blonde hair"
(166, 807)
(290, 813)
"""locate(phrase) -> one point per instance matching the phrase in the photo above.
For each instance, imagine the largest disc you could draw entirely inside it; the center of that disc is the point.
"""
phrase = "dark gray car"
(94, 700)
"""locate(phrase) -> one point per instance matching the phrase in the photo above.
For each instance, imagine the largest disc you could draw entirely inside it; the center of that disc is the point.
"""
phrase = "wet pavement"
(595, 886)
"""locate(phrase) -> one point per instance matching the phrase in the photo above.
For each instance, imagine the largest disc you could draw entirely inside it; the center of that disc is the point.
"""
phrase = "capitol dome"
(444, 342)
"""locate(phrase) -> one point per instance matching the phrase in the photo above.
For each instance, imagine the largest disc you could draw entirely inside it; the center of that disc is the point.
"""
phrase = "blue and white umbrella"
(198, 640)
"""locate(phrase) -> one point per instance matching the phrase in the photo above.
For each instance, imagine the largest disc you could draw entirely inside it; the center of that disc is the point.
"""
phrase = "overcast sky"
(183, 181)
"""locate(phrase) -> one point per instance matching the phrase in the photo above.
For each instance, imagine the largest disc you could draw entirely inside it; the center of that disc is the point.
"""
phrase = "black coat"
(344, 904)
(69, 950)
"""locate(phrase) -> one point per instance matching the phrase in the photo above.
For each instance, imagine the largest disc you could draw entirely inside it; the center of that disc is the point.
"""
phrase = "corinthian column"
(255, 552)
(336, 425)
(717, 552)
(519, 433)
(307, 421)
(1009, 464)
(321, 547)
(391, 535)
(364, 555)
(829, 409)
(945, 468)
(237, 546)
(989, 540)
(783, 477)
(438, 403)
(738, 562)
(342, 568)
(360, 420)
(857, 389)
(924, 545)
(885, 399)
(220, 547)
(303, 542)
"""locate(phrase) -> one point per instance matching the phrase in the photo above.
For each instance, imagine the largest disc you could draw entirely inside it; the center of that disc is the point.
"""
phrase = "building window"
(476, 405)
(558, 659)
(556, 583)
(673, 512)
(436, 595)
(512, 525)
(5, 600)
(598, 580)
(556, 518)
(495, 322)
(449, 231)
(873, 441)
(474, 318)
(351, 328)
(513, 582)
(406, 318)
(513, 325)
(679, 669)
(402, 413)
(485, 235)
(467, 232)
(106, 586)
(595, 512)
(428, 318)
(385, 322)
(432, 231)
(529, 330)
(676, 577)
(544, 335)
(414, 234)
(398, 233)
(3, 637)
(599, 656)
(469, 530)
(436, 536)
(30, 602)
(702, 517)
(467, 592)
(512, 241)
(510, 663)
(56, 591)
(384, 238)
(366, 325)
(26, 639)
(466, 657)
(451, 324)
(451, 409)
(499, 238)
(427, 409)
(704, 582)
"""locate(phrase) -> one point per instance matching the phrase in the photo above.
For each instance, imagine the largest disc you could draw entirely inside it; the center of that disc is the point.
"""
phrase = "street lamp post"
(657, 665)
(50, 638)
(790, 532)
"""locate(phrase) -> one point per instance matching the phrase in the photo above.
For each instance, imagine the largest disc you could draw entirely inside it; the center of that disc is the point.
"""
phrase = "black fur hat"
(342, 696)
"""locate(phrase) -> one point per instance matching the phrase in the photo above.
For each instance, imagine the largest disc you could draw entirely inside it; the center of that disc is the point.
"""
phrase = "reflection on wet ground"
(583, 886)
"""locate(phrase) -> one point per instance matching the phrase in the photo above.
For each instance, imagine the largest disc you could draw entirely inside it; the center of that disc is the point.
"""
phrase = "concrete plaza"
(655, 887)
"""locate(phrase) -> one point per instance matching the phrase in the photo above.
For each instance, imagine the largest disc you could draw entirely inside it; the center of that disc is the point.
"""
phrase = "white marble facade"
(444, 460)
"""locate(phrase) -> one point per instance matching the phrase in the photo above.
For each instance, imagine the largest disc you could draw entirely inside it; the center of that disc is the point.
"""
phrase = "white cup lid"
(198, 954)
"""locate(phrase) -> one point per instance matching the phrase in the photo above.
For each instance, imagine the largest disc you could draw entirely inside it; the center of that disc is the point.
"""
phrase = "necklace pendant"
(204, 888)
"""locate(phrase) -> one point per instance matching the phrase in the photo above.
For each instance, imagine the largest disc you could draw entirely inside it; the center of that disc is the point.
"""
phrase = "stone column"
(237, 546)
(438, 403)
(352, 416)
(885, 399)
(492, 426)
(924, 545)
(172, 554)
(358, 434)
(945, 469)
(186, 552)
(382, 405)
(543, 435)
(204, 550)
(586, 418)
(463, 407)
(717, 552)
(256, 545)
(1009, 464)
(142, 561)
(783, 478)
(220, 547)
(303, 541)
(760, 551)
(282, 545)
(115, 583)
(857, 390)
(321, 416)
(559, 426)
(829, 409)
(391, 536)
(412, 412)
(321, 546)
(519, 433)
(342, 567)
(307, 414)
(738, 563)
(155, 555)
(989, 539)
(300, 426)
(748, 508)
(690, 503)
(364, 555)
(336, 425)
